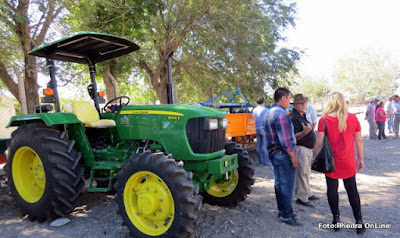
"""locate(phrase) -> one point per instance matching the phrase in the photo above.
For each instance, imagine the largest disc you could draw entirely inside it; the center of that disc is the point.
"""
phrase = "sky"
(329, 30)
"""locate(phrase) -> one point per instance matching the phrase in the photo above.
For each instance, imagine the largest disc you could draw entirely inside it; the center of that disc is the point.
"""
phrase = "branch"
(7, 80)
(51, 15)
(38, 24)
(188, 25)
(143, 65)
(191, 75)
(72, 78)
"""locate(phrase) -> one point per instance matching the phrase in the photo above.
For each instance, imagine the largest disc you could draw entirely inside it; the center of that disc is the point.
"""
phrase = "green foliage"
(311, 87)
(219, 45)
(123, 18)
(233, 44)
(368, 73)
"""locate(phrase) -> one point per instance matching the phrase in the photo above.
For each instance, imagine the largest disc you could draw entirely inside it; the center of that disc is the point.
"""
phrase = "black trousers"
(381, 129)
(352, 192)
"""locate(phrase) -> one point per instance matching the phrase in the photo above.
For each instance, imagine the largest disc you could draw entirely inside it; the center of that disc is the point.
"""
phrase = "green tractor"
(156, 158)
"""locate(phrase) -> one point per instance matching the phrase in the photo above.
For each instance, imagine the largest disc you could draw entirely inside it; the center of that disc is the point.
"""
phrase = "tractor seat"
(88, 115)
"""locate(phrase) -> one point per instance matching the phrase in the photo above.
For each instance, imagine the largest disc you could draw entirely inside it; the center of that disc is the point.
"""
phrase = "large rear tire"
(234, 190)
(156, 197)
(43, 170)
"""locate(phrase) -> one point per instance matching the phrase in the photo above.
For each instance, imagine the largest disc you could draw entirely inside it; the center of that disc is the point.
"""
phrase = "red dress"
(342, 145)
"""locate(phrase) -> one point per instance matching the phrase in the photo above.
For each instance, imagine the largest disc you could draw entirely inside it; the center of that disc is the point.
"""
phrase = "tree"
(118, 17)
(368, 73)
(218, 44)
(26, 24)
(311, 87)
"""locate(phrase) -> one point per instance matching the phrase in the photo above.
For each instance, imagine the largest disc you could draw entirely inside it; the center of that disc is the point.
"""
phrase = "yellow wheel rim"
(226, 188)
(28, 174)
(149, 203)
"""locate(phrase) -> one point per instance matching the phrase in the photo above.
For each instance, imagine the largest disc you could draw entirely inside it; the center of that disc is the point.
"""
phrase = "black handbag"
(324, 162)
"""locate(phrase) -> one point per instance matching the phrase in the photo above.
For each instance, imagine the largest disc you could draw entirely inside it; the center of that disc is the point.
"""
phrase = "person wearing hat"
(305, 138)
(370, 117)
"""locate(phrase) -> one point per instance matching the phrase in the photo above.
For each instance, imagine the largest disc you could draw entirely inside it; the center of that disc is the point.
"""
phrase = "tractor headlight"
(211, 124)
(224, 123)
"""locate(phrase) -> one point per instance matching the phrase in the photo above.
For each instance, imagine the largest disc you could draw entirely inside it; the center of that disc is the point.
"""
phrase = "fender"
(49, 119)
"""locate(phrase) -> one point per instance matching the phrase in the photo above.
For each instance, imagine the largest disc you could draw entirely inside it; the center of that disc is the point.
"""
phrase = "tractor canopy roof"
(86, 48)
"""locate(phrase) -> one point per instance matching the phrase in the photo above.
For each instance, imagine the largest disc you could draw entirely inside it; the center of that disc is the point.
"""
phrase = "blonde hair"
(337, 104)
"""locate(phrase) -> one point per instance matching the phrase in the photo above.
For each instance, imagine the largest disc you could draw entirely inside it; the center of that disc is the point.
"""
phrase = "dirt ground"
(378, 184)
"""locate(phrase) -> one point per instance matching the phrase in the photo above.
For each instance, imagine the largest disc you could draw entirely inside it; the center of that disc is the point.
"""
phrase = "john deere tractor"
(157, 158)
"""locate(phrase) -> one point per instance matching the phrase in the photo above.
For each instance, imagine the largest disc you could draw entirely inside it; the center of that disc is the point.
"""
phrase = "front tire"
(156, 197)
(234, 190)
(44, 174)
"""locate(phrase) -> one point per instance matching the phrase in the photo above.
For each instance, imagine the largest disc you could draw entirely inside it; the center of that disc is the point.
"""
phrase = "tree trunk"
(112, 89)
(161, 90)
(7, 80)
(160, 86)
(31, 86)
(158, 77)
(21, 91)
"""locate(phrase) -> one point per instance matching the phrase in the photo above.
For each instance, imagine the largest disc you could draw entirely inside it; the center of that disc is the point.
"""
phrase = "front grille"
(204, 141)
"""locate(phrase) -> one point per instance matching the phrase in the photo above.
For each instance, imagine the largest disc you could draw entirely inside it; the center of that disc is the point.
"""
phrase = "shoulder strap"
(325, 129)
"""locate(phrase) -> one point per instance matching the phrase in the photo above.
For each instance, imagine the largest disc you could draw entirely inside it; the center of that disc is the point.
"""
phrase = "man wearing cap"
(370, 117)
(305, 137)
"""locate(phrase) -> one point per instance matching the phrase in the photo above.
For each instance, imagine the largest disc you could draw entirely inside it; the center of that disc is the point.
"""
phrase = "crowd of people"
(290, 142)
(379, 112)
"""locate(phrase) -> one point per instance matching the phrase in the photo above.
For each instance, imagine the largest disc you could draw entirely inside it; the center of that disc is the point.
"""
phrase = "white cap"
(371, 99)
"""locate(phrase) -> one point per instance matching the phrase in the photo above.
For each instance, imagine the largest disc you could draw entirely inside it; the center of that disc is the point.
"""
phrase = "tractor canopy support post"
(53, 83)
(94, 95)
(170, 85)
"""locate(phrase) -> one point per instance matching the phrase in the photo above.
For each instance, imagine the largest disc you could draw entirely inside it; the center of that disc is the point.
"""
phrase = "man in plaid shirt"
(281, 144)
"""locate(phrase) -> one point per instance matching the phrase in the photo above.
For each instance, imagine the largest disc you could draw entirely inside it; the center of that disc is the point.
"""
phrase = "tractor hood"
(86, 48)
(191, 111)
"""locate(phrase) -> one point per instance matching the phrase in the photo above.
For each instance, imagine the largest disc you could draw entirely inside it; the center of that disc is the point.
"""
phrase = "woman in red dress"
(343, 131)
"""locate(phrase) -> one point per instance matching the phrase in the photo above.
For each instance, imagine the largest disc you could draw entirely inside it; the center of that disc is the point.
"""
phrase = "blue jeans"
(285, 181)
(262, 152)
(390, 123)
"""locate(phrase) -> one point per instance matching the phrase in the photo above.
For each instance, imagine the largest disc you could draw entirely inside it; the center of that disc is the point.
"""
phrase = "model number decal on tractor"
(152, 112)
(173, 118)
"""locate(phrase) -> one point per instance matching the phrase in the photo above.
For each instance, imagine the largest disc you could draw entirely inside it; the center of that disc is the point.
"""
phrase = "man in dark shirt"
(305, 137)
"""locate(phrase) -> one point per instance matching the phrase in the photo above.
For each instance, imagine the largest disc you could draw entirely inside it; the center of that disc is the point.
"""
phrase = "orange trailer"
(241, 128)
(241, 125)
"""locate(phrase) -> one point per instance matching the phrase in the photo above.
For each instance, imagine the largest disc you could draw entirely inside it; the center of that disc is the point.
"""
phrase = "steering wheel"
(116, 107)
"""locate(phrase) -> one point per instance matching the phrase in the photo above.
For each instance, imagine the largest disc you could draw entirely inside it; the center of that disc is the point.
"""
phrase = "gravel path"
(379, 187)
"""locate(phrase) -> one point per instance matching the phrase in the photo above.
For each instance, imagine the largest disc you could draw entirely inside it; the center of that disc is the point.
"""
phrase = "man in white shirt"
(396, 121)
(259, 113)
(311, 114)
(389, 108)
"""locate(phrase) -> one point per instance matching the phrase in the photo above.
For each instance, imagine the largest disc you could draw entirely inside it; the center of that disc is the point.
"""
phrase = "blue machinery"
(230, 104)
